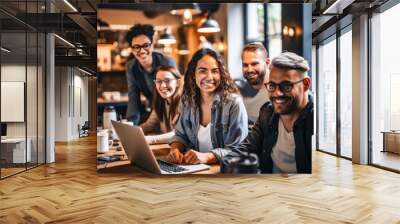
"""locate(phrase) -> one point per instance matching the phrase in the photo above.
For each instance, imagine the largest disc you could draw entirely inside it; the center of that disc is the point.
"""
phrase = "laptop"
(140, 154)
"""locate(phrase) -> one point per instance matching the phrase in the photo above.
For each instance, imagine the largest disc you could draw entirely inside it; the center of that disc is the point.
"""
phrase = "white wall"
(11, 73)
(61, 114)
(71, 102)
(16, 73)
(80, 112)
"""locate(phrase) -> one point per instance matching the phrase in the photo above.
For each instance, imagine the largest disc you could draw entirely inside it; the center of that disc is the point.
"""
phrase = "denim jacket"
(228, 125)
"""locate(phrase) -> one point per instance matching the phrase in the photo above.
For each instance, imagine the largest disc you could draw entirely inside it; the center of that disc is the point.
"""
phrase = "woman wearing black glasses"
(166, 105)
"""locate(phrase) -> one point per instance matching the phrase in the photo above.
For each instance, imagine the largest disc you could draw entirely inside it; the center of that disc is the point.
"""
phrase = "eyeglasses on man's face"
(285, 86)
(167, 82)
(145, 46)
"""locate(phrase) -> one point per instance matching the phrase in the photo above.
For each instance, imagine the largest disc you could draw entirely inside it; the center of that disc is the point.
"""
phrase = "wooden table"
(124, 165)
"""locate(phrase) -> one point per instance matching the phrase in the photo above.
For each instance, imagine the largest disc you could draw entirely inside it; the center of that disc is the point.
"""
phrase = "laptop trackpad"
(188, 168)
(195, 168)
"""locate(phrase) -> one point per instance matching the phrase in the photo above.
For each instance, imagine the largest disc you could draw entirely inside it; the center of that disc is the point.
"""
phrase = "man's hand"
(194, 157)
(175, 156)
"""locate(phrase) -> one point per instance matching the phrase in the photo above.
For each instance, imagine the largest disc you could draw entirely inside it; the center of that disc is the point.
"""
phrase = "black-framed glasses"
(145, 46)
(167, 82)
(285, 86)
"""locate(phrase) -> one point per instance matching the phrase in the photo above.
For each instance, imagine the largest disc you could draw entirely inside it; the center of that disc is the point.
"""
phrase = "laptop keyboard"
(169, 167)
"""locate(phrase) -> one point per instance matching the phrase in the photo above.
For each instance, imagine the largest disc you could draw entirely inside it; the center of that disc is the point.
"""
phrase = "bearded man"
(255, 64)
(281, 136)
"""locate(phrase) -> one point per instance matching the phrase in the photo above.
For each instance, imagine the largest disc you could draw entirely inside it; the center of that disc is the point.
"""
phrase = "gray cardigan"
(228, 125)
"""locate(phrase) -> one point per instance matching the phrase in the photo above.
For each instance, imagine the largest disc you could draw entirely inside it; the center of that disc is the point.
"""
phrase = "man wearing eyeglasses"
(281, 136)
(140, 71)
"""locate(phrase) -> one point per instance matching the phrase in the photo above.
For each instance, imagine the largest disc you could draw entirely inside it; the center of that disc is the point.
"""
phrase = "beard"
(260, 77)
(291, 105)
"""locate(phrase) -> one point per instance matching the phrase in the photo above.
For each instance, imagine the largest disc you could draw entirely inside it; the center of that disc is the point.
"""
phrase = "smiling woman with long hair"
(214, 116)
(166, 105)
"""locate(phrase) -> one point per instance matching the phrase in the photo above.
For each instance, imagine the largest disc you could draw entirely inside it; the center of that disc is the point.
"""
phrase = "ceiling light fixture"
(84, 71)
(187, 16)
(102, 25)
(126, 52)
(80, 51)
(337, 7)
(186, 10)
(70, 5)
(119, 27)
(183, 52)
(180, 8)
(5, 50)
(208, 25)
(64, 40)
(288, 31)
(183, 49)
(166, 38)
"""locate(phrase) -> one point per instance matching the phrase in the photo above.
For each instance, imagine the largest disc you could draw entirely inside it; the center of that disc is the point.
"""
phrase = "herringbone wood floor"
(71, 191)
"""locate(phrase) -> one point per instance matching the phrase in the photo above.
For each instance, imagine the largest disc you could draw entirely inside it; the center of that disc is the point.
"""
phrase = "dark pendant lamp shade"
(208, 25)
(183, 49)
(166, 38)
(101, 25)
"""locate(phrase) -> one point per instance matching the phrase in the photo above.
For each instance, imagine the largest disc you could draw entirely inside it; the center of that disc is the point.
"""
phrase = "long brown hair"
(191, 92)
(159, 102)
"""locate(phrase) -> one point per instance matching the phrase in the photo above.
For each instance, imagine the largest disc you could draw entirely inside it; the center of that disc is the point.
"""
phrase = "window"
(327, 96)
(22, 73)
(346, 93)
(385, 88)
(255, 24)
(314, 90)
(274, 13)
(256, 28)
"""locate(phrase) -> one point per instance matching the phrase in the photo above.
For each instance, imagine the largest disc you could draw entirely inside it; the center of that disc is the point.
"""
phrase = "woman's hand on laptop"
(195, 157)
(175, 156)
(150, 139)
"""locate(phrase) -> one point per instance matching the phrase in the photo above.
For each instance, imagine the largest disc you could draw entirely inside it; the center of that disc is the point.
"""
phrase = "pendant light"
(166, 38)
(208, 25)
(186, 10)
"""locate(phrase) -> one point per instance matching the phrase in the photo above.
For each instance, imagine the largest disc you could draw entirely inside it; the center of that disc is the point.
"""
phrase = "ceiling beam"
(81, 61)
(84, 24)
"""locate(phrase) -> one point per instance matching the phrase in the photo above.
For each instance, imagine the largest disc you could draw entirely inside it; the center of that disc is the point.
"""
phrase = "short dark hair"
(140, 29)
(255, 46)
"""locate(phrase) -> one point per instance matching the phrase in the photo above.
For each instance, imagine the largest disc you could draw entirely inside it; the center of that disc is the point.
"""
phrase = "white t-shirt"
(283, 152)
(253, 104)
(204, 138)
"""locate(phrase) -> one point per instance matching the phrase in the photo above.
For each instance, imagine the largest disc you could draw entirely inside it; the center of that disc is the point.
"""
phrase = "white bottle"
(109, 115)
